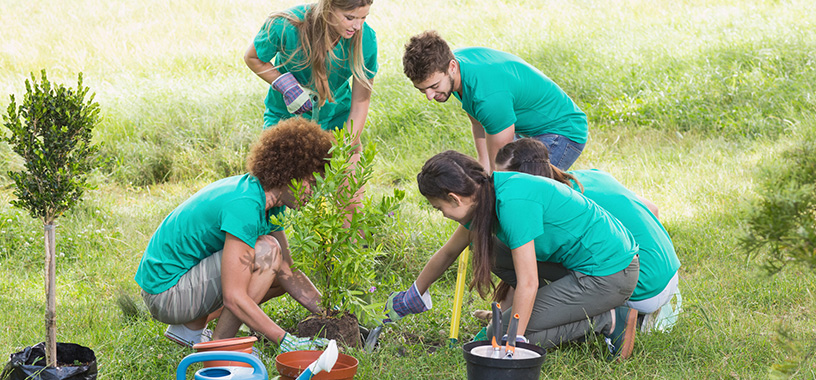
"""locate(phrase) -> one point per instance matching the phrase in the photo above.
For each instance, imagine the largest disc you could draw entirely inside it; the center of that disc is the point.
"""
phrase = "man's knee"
(267, 253)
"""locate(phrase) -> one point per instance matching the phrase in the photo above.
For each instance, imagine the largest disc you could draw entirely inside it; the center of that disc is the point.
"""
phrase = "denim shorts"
(563, 151)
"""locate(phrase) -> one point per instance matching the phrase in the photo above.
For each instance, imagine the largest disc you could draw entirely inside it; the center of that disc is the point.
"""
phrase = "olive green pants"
(572, 305)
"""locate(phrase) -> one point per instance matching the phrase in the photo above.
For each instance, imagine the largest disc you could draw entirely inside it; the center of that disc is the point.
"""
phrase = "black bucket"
(484, 368)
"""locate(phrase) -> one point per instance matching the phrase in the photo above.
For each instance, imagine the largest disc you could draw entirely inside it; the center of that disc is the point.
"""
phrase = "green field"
(685, 100)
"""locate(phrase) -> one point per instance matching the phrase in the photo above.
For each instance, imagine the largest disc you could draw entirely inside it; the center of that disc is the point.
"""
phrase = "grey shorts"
(197, 294)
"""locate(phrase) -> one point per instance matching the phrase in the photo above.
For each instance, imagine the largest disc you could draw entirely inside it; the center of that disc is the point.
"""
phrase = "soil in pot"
(343, 328)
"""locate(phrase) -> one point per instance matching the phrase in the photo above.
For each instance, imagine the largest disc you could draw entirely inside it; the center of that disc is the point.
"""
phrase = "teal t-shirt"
(500, 89)
(658, 260)
(279, 40)
(567, 227)
(198, 228)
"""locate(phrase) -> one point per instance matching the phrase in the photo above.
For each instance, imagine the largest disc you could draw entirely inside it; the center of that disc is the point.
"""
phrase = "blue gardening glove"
(293, 343)
(297, 99)
(406, 302)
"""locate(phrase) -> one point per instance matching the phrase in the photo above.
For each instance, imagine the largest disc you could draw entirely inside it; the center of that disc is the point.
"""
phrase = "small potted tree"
(51, 131)
(332, 237)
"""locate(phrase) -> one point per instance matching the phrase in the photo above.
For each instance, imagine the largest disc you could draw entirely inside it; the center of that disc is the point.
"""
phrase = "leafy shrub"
(782, 221)
(337, 248)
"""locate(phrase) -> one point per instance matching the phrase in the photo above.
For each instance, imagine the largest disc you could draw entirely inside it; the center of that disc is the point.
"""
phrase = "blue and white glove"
(406, 302)
(293, 343)
(297, 99)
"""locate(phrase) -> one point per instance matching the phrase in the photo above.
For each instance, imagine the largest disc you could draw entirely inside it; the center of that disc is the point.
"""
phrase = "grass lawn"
(684, 99)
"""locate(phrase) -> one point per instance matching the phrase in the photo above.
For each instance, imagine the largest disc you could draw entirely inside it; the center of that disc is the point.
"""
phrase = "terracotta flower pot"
(291, 364)
(239, 344)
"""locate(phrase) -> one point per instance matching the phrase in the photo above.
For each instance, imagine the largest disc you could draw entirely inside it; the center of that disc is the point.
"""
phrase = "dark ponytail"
(532, 157)
(453, 172)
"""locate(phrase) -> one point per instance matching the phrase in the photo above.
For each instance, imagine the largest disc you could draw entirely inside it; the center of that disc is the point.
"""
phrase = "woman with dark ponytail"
(540, 220)
(658, 279)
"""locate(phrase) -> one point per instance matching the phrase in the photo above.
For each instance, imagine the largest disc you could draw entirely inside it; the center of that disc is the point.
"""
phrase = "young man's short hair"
(426, 54)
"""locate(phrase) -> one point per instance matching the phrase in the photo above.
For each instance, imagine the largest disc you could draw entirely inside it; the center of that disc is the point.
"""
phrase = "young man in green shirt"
(504, 97)
(218, 256)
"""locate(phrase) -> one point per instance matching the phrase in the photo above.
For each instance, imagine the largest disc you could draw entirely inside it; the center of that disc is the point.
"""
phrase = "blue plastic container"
(223, 373)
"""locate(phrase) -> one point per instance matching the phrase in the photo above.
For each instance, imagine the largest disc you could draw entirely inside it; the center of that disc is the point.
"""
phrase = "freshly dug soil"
(345, 329)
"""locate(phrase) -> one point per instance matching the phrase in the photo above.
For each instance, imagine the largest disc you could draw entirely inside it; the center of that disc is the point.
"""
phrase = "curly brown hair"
(293, 149)
(426, 54)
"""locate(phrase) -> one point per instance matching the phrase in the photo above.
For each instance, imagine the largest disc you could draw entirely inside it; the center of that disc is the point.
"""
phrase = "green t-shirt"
(279, 40)
(567, 227)
(500, 89)
(658, 260)
(198, 228)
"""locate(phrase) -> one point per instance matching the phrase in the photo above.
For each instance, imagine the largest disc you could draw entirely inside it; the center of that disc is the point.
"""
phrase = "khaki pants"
(197, 293)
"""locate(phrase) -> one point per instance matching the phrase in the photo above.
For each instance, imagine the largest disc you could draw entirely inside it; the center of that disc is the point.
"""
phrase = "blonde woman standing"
(309, 54)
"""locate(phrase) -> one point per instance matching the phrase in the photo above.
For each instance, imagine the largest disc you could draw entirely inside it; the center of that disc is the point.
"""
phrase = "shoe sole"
(177, 340)
(629, 335)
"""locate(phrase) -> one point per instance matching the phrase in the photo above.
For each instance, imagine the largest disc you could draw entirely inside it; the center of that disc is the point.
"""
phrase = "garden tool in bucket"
(223, 373)
(524, 365)
(512, 332)
(495, 339)
(325, 362)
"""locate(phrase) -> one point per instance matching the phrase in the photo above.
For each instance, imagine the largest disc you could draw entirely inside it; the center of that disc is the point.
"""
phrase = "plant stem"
(50, 296)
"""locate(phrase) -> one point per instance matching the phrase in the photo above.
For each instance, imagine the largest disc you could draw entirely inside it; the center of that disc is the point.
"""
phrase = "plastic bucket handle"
(258, 368)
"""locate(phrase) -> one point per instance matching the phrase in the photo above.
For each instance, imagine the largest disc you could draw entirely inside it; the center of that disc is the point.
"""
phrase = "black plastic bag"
(75, 363)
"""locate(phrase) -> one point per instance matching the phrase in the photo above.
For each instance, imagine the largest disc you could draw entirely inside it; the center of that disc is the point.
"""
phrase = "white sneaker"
(176, 333)
(664, 318)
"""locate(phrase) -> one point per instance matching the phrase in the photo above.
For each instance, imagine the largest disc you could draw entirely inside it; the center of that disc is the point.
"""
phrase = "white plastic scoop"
(325, 362)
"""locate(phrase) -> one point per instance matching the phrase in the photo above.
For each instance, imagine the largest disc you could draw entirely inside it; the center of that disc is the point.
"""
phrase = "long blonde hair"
(317, 39)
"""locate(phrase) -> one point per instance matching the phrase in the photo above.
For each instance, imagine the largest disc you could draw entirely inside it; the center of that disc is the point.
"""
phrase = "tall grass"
(684, 99)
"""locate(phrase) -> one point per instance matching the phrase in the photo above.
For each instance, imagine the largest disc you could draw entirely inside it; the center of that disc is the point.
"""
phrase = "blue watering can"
(223, 373)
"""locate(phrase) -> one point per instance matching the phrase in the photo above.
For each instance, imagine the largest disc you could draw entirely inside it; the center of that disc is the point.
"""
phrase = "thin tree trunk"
(50, 296)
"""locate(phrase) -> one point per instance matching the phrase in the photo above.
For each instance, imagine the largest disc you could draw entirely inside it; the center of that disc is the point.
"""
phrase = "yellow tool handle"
(461, 274)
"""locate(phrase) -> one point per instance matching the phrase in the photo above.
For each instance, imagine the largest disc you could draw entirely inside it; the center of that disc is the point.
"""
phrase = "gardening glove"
(406, 302)
(293, 343)
(297, 99)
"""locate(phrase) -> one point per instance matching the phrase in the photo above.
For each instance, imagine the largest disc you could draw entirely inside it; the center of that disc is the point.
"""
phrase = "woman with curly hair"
(308, 53)
(218, 256)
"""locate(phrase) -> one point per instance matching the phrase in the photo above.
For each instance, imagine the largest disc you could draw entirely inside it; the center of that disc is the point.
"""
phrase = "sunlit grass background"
(685, 99)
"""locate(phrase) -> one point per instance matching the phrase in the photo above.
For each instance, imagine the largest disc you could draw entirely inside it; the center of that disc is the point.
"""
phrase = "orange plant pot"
(239, 344)
(291, 364)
